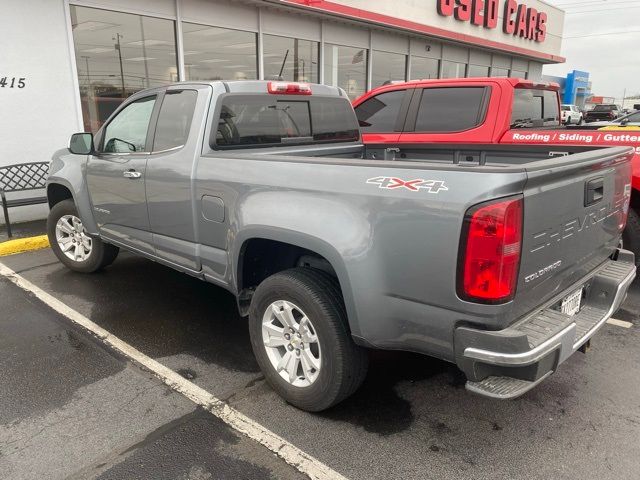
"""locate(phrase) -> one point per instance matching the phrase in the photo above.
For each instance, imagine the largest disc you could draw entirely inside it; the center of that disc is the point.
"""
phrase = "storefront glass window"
(477, 71)
(499, 72)
(290, 59)
(387, 67)
(118, 54)
(424, 68)
(346, 67)
(518, 74)
(213, 53)
(453, 69)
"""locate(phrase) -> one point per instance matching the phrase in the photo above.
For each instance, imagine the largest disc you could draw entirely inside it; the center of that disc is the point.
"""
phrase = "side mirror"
(81, 144)
(624, 121)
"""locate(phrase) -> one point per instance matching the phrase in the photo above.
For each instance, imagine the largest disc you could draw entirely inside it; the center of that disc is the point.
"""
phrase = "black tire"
(102, 254)
(631, 234)
(343, 364)
(580, 121)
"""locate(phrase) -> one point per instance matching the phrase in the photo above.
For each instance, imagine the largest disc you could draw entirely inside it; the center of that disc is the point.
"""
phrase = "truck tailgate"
(574, 212)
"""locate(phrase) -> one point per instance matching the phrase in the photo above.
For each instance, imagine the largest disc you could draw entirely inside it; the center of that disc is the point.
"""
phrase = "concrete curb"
(21, 245)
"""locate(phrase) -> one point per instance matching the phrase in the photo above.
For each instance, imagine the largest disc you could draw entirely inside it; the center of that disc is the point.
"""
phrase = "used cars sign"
(518, 19)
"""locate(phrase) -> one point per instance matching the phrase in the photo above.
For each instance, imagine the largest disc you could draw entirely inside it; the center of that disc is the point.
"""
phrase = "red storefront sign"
(518, 19)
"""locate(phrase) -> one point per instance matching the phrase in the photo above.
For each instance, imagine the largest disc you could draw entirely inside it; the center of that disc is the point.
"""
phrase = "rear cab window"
(534, 108)
(260, 120)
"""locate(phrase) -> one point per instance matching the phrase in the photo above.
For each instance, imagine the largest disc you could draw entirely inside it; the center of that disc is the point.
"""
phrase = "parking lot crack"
(229, 398)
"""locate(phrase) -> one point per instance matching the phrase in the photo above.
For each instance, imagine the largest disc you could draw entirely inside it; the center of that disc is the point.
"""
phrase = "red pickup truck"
(464, 115)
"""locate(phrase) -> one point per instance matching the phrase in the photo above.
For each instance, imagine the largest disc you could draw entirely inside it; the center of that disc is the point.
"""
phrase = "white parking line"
(619, 323)
(291, 454)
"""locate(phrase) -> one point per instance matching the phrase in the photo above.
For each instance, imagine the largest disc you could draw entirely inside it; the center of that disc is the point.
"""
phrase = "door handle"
(131, 174)
(593, 191)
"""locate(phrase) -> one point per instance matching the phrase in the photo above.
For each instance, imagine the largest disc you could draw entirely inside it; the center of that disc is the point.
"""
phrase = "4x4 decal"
(391, 183)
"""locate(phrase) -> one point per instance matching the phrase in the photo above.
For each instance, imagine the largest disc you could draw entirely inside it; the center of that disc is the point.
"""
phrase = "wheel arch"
(58, 189)
(56, 193)
(295, 244)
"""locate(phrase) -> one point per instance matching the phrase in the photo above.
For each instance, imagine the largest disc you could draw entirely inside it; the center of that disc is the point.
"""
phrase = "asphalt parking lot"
(70, 407)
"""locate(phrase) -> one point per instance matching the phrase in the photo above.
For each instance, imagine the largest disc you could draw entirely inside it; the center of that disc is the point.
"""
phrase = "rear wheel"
(72, 245)
(299, 335)
(631, 234)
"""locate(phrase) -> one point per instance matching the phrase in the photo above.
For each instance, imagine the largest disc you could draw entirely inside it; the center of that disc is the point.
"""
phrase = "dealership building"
(575, 88)
(70, 63)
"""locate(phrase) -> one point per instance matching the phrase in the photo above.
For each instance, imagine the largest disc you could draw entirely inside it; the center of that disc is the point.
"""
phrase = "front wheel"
(580, 120)
(299, 334)
(72, 245)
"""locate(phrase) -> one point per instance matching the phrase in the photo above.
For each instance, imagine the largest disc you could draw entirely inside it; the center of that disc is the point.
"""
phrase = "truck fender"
(67, 170)
(321, 246)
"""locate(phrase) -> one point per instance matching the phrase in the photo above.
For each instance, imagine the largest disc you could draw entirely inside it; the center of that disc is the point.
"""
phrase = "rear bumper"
(509, 362)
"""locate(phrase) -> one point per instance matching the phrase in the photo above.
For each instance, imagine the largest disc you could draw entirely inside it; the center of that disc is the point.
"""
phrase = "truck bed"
(362, 190)
(490, 155)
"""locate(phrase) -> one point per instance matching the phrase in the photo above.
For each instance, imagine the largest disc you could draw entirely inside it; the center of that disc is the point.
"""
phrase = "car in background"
(571, 114)
(631, 120)
(603, 111)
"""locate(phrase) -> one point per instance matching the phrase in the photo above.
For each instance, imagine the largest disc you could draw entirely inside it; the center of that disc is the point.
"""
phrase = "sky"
(594, 42)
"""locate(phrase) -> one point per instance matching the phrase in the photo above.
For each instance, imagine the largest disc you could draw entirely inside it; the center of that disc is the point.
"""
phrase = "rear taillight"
(623, 214)
(490, 251)
(289, 88)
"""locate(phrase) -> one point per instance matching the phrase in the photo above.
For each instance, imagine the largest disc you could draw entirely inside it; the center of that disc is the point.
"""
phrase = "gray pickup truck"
(504, 260)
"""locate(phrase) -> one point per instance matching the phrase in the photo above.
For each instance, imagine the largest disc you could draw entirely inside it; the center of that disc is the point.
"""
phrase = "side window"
(174, 120)
(380, 113)
(127, 132)
(634, 118)
(452, 109)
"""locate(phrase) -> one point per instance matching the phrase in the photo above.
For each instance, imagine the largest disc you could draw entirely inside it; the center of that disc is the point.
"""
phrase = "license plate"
(571, 303)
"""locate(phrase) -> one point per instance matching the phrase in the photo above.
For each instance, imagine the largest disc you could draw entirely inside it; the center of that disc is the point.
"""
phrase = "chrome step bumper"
(504, 388)
(534, 347)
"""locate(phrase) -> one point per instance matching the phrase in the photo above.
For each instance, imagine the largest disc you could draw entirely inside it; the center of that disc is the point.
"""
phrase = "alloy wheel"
(291, 343)
(72, 238)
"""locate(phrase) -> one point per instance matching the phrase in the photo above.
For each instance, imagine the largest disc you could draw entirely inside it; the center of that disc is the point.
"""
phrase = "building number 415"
(12, 82)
